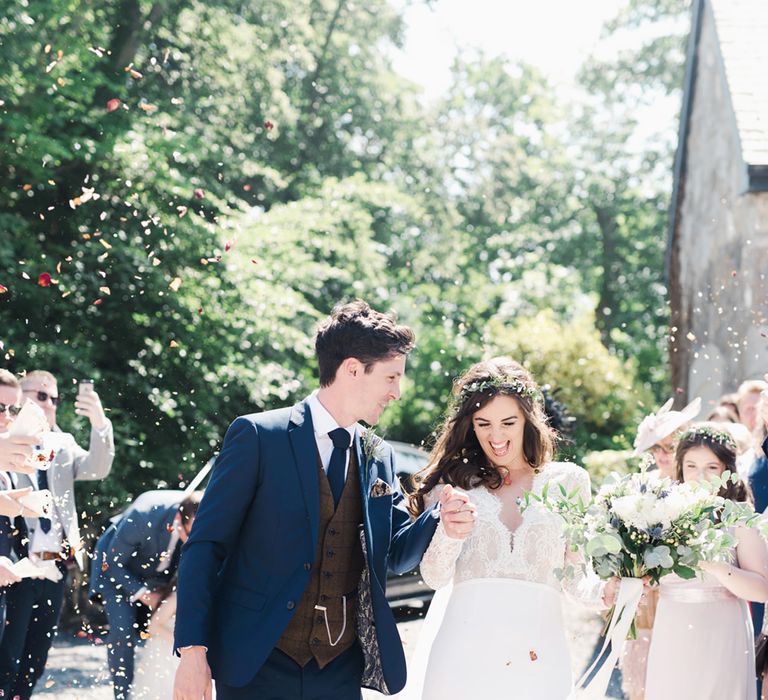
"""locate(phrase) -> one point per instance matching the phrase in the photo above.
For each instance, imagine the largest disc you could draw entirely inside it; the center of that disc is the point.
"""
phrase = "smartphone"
(85, 387)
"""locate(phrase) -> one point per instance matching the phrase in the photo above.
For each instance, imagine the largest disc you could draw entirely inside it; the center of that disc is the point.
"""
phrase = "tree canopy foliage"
(203, 181)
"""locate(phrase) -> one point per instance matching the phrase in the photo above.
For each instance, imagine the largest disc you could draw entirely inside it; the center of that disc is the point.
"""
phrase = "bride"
(501, 634)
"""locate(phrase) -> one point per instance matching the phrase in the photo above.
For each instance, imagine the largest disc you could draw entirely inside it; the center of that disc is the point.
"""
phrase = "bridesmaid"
(657, 435)
(703, 643)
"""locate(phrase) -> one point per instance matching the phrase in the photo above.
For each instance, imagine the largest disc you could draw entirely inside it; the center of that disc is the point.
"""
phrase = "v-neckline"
(513, 533)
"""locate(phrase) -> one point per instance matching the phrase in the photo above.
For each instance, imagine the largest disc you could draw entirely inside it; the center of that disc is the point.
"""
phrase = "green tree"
(598, 388)
(132, 138)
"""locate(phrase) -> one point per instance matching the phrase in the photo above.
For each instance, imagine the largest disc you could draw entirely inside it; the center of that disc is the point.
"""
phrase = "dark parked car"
(408, 589)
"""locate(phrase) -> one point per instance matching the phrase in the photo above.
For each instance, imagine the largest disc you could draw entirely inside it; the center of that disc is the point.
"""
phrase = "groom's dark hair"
(356, 330)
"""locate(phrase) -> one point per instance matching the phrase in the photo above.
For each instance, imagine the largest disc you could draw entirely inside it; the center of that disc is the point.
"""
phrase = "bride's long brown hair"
(457, 457)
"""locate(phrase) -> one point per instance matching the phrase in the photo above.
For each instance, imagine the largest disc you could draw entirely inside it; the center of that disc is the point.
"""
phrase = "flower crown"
(509, 386)
(720, 436)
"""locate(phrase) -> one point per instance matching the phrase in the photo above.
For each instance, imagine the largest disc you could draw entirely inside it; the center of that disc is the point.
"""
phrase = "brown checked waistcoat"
(335, 573)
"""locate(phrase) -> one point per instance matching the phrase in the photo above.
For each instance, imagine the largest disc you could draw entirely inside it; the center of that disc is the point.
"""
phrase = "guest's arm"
(7, 577)
(17, 452)
(96, 463)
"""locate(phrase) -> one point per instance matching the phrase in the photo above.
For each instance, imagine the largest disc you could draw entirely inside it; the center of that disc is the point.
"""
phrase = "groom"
(281, 586)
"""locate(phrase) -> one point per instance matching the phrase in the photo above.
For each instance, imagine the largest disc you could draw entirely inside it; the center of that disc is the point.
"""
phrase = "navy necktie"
(338, 464)
(42, 483)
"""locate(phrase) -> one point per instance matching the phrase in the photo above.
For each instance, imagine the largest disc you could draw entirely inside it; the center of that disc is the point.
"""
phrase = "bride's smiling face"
(499, 429)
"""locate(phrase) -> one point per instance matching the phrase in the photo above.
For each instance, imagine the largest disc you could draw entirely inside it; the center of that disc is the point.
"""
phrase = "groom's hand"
(193, 676)
(457, 513)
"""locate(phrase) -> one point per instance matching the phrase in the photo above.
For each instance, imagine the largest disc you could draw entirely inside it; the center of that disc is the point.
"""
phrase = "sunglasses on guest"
(43, 396)
(12, 408)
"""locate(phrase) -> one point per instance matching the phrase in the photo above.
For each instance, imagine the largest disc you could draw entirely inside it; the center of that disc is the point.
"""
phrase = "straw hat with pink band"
(657, 426)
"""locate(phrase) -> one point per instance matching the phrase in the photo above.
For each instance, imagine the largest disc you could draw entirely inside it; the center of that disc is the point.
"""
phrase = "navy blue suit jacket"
(247, 561)
(758, 479)
(132, 545)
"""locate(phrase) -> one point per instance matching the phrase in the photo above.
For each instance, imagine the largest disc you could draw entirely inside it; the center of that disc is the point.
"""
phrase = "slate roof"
(742, 30)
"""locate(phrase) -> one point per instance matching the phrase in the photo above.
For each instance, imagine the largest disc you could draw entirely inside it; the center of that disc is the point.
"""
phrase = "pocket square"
(380, 488)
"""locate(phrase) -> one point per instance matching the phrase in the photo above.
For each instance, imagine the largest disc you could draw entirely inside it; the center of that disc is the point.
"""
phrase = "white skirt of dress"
(499, 639)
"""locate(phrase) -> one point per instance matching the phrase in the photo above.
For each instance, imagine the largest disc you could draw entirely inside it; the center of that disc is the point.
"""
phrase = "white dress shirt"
(324, 423)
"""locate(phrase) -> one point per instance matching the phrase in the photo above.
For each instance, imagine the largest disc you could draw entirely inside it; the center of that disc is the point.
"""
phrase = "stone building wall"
(722, 243)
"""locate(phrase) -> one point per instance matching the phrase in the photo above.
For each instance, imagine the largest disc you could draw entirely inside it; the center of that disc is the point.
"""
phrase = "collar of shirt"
(323, 421)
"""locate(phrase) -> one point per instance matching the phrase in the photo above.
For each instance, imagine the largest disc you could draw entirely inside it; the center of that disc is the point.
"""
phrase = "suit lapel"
(301, 434)
(362, 461)
(362, 466)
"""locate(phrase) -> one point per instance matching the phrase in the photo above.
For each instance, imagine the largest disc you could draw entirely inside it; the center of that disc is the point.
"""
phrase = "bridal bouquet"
(642, 525)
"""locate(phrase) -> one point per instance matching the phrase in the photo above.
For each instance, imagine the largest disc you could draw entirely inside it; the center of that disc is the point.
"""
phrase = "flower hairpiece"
(507, 385)
(720, 436)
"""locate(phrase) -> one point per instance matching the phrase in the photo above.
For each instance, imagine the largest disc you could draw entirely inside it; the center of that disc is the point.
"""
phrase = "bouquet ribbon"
(594, 682)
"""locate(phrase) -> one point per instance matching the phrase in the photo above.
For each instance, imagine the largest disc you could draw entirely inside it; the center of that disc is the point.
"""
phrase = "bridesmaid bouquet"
(638, 526)
(641, 525)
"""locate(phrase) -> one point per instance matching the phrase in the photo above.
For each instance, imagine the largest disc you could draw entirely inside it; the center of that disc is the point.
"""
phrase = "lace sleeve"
(580, 581)
(439, 562)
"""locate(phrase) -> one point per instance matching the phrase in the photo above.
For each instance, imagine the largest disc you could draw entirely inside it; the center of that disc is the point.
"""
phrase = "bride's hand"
(457, 513)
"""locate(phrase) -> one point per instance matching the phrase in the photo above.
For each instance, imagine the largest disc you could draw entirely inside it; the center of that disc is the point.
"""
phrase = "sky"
(554, 35)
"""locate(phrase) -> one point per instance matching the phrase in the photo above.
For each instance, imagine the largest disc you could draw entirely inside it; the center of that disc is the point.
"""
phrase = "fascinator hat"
(656, 426)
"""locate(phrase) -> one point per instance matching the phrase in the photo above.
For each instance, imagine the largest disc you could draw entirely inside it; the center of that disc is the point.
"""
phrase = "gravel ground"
(77, 667)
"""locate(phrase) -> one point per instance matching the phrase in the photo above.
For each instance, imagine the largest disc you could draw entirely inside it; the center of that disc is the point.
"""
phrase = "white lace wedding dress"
(499, 631)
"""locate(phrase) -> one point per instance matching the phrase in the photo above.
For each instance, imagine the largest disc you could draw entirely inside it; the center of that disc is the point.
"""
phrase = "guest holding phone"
(33, 605)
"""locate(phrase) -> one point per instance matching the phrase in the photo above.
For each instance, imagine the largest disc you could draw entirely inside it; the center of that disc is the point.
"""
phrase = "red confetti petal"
(228, 246)
(112, 105)
(97, 302)
(268, 125)
(199, 194)
(247, 188)
(3, 289)
(44, 279)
